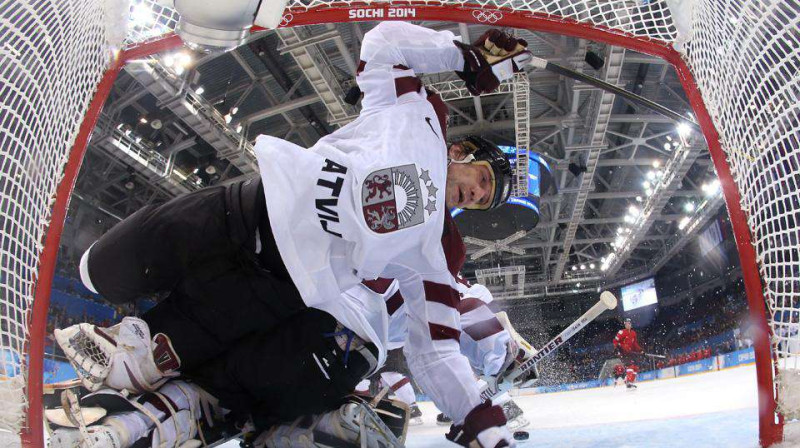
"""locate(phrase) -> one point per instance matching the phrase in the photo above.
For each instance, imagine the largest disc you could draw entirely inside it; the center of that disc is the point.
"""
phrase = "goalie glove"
(122, 357)
(484, 426)
(491, 59)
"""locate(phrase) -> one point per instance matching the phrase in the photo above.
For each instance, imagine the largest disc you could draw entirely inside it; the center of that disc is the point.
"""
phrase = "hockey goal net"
(737, 60)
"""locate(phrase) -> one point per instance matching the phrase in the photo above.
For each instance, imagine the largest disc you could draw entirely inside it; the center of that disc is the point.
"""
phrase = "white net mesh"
(745, 56)
(743, 53)
(52, 57)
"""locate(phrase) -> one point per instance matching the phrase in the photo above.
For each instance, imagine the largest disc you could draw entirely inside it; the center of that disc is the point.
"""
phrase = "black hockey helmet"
(482, 151)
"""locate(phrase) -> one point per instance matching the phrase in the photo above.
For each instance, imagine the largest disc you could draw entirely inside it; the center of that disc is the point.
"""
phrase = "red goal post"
(735, 60)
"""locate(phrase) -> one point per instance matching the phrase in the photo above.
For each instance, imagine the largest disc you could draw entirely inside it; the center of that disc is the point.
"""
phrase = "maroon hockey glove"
(485, 425)
(493, 58)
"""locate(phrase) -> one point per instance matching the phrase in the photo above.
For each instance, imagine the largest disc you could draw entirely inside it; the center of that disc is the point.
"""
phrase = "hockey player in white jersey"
(489, 341)
(368, 200)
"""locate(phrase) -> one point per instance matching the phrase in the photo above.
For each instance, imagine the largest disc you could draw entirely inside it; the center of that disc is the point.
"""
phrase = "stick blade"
(608, 300)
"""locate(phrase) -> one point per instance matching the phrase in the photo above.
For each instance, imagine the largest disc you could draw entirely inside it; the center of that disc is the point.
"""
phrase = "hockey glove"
(493, 58)
(485, 425)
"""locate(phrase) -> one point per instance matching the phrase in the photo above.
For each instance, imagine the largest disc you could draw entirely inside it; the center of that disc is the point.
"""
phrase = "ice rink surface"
(717, 409)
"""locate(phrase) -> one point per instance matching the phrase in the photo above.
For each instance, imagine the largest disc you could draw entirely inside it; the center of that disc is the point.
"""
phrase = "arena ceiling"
(183, 121)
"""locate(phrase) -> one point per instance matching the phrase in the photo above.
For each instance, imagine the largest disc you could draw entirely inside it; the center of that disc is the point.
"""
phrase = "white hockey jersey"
(368, 201)
(483, 340)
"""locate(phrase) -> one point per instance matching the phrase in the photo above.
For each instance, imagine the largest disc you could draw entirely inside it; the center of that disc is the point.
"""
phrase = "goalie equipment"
(481, 151)
(97, 437)
(122, 357)
(493, 58)
(357, 423)
(164, 419)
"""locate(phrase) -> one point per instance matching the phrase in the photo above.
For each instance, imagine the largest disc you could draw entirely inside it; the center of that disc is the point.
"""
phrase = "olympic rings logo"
(487, 16)
(286, 20)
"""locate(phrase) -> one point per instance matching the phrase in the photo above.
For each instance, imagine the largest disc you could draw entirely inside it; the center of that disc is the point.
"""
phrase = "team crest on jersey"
(393, 198)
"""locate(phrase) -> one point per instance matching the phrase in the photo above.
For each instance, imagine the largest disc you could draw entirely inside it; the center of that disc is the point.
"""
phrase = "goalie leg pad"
(163, 419)
(98, 437)
(355, 424)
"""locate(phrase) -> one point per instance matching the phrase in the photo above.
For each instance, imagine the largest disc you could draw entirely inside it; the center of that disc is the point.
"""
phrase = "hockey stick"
(653, 355)
(629, 96)
(607, 302)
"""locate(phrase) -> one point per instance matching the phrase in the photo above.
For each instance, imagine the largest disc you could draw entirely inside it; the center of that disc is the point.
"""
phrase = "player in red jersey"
(619, 374)
(626, 346)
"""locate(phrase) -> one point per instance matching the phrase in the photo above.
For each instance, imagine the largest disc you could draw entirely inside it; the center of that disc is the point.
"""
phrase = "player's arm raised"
(403, 49)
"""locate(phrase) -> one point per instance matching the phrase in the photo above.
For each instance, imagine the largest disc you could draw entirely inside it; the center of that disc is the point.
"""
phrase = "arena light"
(711, 188)
(184, 59)
(634, 210)
(143, 120)
(574, 268)
(667, 146)
(142, 16)
(684, 129)
(688, 207)
(234, 110)
(200, 90)
(646, 184)
(228, 118)
(656, 163)
(684, 222)
(651, 175)
(591, 265)
(239, 128)
(583, 267)
(639, 199)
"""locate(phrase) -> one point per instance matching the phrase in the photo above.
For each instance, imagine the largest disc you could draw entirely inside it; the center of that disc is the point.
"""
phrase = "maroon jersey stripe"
(484, 329)
(394, 303)
(439, 293)
(441, 332)
(468, 304)
(379, 285)
(399, 384)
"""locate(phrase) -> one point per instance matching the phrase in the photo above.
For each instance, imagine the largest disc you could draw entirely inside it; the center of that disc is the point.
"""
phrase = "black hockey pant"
(200, 248)
(294, 370)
